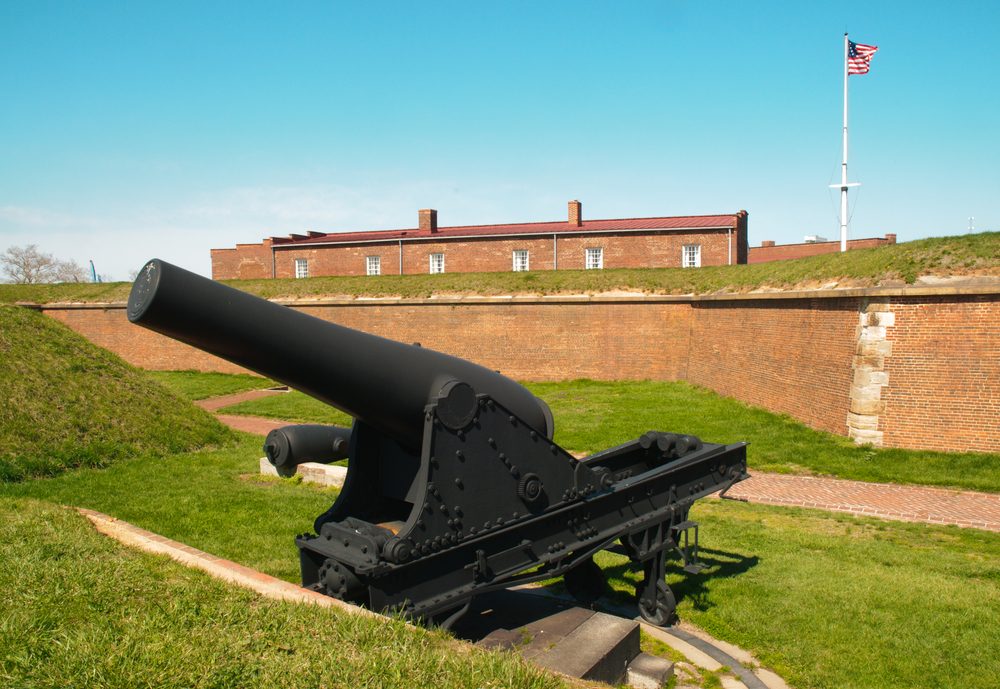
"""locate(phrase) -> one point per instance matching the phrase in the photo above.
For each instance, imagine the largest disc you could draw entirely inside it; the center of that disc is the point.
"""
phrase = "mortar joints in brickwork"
(873, 348)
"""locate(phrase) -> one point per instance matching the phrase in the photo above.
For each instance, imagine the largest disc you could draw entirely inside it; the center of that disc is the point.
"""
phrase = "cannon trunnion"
(454, 486)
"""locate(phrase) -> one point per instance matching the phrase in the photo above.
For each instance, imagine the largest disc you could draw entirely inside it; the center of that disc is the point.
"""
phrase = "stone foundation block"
(866, 422)
(866, 437)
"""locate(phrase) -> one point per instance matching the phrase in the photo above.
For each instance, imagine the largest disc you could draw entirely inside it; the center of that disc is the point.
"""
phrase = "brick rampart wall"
(942, 387)
(790, 355)
(892, 367)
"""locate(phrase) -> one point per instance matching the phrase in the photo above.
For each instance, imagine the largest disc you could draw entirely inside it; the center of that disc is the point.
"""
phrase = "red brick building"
(667, 242)
(769, 251)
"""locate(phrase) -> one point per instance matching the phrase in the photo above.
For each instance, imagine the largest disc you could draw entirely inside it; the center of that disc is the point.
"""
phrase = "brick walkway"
(889, 501)
(884, 500)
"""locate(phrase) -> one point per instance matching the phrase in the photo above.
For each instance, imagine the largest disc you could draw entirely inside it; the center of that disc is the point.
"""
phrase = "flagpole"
(843, 167)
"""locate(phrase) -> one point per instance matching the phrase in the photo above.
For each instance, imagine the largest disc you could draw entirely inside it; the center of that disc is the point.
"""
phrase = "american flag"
(859, 57)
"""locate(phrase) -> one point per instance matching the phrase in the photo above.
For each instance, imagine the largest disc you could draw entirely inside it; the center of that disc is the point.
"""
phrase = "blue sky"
(133, 130)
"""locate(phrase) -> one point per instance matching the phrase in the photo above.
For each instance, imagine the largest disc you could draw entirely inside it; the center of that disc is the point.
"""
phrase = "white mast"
(844, 184)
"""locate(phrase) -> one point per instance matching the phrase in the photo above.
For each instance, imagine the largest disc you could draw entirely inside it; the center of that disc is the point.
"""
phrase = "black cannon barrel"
(384, 383)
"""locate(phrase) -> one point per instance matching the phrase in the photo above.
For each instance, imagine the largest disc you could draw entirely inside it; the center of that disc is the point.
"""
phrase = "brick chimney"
(767, 242)
(890, 239)
(428, 220)
(575, 213)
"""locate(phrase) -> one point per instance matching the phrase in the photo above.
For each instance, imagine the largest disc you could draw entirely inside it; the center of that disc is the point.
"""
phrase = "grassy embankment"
(977, 254)
(67, 403)
(592, 416)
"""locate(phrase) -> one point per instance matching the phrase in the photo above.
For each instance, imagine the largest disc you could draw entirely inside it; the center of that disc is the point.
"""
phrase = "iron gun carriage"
(454, 485)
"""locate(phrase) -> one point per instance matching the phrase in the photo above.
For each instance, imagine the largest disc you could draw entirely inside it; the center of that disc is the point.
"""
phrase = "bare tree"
(70, 271)
(26, 265)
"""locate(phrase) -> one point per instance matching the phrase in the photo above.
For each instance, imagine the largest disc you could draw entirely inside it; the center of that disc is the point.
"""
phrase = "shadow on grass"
(623, 575)
(719, 564)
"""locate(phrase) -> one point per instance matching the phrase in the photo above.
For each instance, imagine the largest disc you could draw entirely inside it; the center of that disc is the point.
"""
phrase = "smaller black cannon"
(454, 485)
(288, 447)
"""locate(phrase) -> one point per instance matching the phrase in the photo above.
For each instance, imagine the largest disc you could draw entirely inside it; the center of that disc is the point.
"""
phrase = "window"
(437, 263)
(520, 260)
(302, 267)
(691, 256)
(595, 259)
(373, 265)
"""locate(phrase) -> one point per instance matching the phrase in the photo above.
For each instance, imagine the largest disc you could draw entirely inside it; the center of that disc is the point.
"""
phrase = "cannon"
(454, 484)
(288, 447)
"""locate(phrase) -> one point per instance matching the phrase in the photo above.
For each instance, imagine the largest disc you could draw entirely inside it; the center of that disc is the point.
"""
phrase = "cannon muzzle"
(386, 384)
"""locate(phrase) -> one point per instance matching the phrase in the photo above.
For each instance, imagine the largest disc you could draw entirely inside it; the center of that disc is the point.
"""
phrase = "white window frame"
(373, 265)
(436, 262)
(519, 260)
(301, 267)
(691, 256)
(594, 258)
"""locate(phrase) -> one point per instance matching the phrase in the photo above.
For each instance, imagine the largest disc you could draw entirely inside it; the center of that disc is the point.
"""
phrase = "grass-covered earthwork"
(68, 403)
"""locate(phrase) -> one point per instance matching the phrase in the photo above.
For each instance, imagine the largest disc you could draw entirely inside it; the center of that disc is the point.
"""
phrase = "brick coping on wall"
(980, 286)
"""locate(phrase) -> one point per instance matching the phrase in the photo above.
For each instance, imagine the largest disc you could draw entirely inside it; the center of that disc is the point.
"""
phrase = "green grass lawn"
(213, 499)
(199, 385)
(827, 600)
(80, 610)
(835, 601)
(293, 406)
(965, 254)
(592, 415)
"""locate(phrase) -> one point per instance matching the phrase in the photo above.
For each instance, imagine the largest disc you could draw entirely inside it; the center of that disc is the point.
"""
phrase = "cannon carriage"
(454, 485)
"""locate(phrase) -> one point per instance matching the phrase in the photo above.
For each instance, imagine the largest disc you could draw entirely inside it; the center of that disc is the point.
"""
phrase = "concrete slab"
(600, 649)
(544, 635)
(554, 634)
(311, 472)
(648, 672)
(501, 639)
